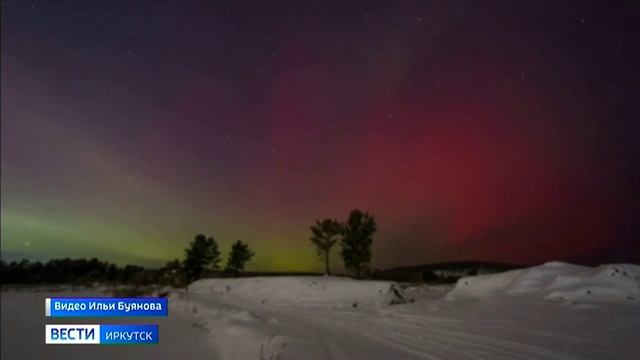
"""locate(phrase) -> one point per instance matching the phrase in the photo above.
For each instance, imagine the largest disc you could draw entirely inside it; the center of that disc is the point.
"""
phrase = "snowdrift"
(614, 283)
(319, 290)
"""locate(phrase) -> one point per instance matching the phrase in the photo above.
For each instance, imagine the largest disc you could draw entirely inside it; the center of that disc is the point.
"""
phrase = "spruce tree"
(239, 255)
(202, 254)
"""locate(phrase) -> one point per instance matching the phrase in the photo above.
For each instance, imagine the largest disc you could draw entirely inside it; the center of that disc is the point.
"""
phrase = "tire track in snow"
(407, 336)
(442, 343)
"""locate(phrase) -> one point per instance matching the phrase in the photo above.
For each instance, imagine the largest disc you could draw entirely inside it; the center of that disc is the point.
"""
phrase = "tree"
(173, 273)
(239, 255)
(356, 241)
(202, 254)
(324, 234)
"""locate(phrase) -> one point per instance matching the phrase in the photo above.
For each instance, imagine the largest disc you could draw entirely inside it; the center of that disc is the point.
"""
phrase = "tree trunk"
(326, 263)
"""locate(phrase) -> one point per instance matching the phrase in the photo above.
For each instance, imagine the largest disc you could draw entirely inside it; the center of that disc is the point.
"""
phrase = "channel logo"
(72, 334)
(103, 334)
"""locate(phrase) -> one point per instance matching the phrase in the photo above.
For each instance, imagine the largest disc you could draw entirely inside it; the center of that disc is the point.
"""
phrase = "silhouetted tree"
(202, 254)
(111, 272)
(325, 234)
(130, 273)
(4, 268)
(173, 273)
(356, 241)
(239, 255)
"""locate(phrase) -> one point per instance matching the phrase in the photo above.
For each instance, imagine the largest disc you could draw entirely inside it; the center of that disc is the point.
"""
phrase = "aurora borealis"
(496, 130)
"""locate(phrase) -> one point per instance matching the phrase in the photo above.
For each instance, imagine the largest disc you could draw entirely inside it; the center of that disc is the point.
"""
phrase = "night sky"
(472, 130)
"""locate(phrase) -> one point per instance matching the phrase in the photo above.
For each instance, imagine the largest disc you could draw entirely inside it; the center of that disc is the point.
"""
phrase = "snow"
(512, 315)
(301, 290)
(572, 284)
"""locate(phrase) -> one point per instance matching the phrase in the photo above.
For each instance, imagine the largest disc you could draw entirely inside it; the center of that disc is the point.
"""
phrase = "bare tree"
(325, 234)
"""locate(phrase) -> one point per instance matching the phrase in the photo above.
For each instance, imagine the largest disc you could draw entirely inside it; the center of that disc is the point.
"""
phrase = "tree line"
(75, 271)
(201, 258)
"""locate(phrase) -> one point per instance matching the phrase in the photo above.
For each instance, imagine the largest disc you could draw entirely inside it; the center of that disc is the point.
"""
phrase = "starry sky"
(472, 130)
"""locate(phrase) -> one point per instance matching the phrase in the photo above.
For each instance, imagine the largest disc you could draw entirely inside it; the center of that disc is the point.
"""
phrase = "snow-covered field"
(553, 311)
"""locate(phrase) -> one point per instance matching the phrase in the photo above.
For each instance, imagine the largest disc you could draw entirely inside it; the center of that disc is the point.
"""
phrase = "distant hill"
(446, 272)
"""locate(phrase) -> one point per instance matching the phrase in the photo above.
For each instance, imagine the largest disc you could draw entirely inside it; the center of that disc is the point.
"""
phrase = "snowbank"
(614, 283)
(319, 290)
